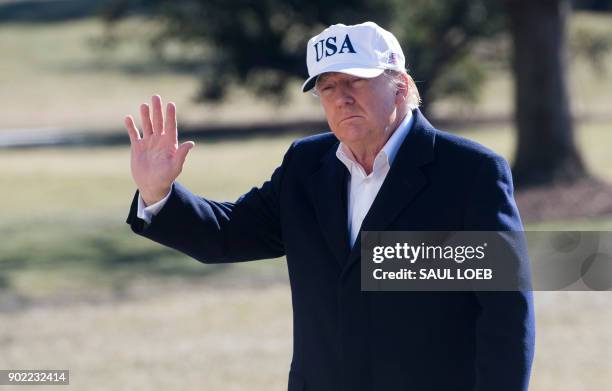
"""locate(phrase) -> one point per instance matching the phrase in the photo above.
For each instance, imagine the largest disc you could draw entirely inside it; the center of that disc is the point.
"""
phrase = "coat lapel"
(403, 182)
(328, 187)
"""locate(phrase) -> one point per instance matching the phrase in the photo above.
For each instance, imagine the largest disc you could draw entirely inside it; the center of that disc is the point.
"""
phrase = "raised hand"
(156, 158)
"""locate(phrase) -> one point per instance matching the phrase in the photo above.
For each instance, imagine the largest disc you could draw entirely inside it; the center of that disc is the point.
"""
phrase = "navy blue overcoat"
(348, 340)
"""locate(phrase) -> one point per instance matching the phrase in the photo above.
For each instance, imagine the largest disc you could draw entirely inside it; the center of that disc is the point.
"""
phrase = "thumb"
(183, 150)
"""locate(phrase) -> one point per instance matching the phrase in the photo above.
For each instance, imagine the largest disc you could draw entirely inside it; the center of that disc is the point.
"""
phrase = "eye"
(326, 89)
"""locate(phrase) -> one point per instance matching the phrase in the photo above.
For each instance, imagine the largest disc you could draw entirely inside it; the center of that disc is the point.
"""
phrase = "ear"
(401, 94)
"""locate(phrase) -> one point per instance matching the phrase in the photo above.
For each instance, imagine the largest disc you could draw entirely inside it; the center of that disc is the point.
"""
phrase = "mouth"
(350, 117)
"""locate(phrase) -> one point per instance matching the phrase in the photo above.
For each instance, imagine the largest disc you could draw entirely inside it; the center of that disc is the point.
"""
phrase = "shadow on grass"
(159, 262)
(4, 282)
(214, 133)
(108, 261)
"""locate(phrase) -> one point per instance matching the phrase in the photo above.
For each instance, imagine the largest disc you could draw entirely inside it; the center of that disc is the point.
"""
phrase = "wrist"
(152, 197)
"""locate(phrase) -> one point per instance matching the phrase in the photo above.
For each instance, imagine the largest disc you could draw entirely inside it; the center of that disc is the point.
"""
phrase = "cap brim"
(360, 72)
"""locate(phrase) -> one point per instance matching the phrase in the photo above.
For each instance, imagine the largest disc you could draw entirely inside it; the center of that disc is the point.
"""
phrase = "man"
(383, 167)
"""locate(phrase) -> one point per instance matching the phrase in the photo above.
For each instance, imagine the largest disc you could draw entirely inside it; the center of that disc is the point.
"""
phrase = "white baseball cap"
(363, 50)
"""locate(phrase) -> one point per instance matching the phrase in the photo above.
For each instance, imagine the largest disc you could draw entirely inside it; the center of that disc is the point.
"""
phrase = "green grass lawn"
(113, 303)
(63, 216)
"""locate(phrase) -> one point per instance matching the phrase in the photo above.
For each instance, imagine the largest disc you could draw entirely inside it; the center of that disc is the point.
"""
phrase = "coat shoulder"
(321, 141)
(453, 147)
(314, 148)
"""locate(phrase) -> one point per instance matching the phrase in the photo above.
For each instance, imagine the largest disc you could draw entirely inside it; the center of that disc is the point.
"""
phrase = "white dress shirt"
(362, 188)
(146, 213)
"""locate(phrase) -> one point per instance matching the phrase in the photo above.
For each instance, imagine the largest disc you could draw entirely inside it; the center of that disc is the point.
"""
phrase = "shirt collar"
(389, 150)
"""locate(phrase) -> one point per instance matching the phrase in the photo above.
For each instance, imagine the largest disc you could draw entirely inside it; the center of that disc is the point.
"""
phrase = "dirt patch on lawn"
(587, 198)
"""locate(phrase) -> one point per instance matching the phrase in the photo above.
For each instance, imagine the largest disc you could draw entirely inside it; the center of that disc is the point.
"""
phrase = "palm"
(154, 161)
(156, 158)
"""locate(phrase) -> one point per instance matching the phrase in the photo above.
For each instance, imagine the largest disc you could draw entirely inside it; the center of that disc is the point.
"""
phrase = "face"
(359, 110)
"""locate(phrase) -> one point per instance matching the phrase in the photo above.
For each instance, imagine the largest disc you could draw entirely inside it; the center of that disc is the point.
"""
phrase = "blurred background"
(531, 80)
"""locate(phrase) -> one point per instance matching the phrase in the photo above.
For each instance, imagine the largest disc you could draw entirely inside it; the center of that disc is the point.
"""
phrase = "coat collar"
(328, 189)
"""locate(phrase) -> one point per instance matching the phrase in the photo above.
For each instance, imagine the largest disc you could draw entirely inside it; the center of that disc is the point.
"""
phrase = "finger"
(145, 119)
(131, 128)
(183, 150)
(170, 125)
(158, 116)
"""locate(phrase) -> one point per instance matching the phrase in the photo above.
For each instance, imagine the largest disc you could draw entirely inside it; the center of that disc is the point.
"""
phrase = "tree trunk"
(546, 151)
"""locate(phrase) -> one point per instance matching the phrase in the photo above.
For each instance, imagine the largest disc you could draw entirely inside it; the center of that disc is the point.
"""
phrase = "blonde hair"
(398, 79)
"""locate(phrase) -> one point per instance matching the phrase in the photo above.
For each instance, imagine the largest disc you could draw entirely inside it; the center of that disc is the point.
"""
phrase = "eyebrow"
(322, 78)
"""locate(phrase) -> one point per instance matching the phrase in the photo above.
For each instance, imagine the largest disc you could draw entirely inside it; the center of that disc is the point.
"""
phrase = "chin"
(351, 134)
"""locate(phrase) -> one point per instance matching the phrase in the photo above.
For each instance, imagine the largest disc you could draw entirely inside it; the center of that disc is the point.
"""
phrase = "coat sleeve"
(219, 232)
(505, 332)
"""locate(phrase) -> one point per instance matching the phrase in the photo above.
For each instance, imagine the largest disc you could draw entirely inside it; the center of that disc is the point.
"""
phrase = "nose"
(344, 95)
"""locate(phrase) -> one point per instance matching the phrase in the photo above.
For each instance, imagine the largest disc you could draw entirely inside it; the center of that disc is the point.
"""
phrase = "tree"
(438, 37)
(261, 44)
(546, 151)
